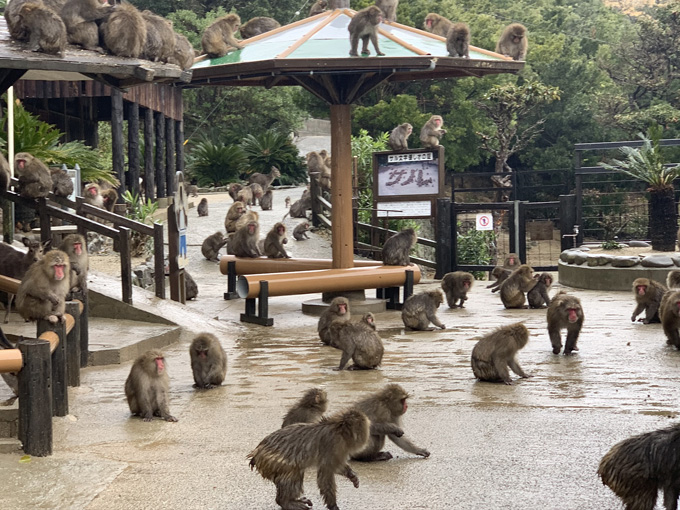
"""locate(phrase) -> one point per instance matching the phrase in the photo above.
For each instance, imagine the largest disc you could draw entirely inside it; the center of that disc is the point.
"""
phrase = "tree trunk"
(663, 219)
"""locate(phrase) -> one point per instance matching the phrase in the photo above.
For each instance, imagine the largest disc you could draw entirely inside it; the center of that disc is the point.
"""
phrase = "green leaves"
(215, 164)
(268, 149)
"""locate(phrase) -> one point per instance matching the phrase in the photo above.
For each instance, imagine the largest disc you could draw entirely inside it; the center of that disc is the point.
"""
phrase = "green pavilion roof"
(319, 45)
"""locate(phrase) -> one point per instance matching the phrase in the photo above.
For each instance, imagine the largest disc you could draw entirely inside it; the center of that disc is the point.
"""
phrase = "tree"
(507, 106)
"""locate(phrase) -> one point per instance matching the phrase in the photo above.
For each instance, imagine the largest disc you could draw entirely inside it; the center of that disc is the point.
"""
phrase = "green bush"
(474, 248)
(269, 149)
(215, 164)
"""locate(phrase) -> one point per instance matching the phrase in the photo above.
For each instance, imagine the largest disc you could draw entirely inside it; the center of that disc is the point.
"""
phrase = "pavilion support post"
(117, 138)
(179, 145)
(149, 172)
(341, 186)
(170, 155)
(159, 124)
(133, 147)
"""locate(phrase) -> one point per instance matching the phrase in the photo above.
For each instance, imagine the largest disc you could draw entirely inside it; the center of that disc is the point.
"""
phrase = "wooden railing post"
(315, 191)
(442, 234)
(73, 345)
(125, 265)
(35, 397)
(59, 387)
(159, 260)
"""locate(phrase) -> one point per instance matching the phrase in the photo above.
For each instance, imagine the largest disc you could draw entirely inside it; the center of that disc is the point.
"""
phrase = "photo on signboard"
(408, 174)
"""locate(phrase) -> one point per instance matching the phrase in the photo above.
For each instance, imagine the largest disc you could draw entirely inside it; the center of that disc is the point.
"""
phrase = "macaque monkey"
(184, 54)
(384, 409)
(512, 290)
(202, 208)
(318, 7)
(244, 241)
(191, 190)
(34, 177)
(673, 279)
(15, 263)
(219, 36)
(317, 169)
(5, 175)
(265, 180)
(437, 24)
(337, 311)
(512, 262)
(287, 202)
(564, 312)
(432, 131)
(62, 185)
(233, 190)
(648, 295)
(208, 361)
(257, 26)
(420, 310)
(670, 317)
(398, 140)
(160, 38)
(42, 292)
(358, 341)
(257, 192)
(299, 208)
(300, 231)
(389, 8)
(47, 32)
(247, 217)
(513, 42)
(273, 243)
(75, 247)
(266, 200)
(395, 251)
(284, 455)
(17, 29)
(124, 31)
(245, 195)
(309, 409)
(456, 285)
(11, 378)
(364, 26)
(538, 296)
(458, 40)
(501, 275)
(236, 210)
(212, 245)
(80, 18)
(147, 386)
(92, 195)
(636, 468)
(190, 286)
(496, 351)
(110, 198)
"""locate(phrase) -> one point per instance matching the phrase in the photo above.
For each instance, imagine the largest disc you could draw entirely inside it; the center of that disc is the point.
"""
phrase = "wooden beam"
(117, 138)
(133, 147)
(149, 172)
(341, 186)
(159, 124)
(170, 155)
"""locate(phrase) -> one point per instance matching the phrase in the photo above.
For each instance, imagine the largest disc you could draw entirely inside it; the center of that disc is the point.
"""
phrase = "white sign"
(484, 221)
(404, 209)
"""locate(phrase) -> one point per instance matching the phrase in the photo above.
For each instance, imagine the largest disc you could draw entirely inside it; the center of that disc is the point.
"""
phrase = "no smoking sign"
(484, 221)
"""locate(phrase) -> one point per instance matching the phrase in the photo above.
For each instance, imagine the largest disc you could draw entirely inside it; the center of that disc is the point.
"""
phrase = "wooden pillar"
(59, 384)
(133, 147)
(91, 125)
(159, 121)
(179, 145)
(170, 155)
(149, 172)
(341, 186)
(117, 138)
(35, 402)
(73, 345)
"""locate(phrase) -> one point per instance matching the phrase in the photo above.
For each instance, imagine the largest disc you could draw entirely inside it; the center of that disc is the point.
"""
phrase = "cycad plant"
(215, 164)
(647, 164)
(268, 149)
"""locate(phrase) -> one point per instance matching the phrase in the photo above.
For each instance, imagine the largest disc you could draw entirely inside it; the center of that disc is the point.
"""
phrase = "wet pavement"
(533, 445)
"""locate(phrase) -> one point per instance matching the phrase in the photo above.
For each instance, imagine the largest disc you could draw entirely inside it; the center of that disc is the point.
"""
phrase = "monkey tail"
(4, 342)
(285, 215)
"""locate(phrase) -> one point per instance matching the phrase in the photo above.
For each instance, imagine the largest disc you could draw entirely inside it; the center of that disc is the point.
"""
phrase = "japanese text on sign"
(421, 156)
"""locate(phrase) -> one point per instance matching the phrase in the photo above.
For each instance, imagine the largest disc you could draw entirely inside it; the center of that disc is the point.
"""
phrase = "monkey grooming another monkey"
(212, 245)
(147, 386)
(398, 140)
(300, 231)
(385, 409)
(244, 241)
(364, 26)
(420, 310)
(456, 285)
(496, 351)
(437, 24)
(208, 361)
(564, 312)
(358, 341)
(389, 9)
(395, 251)
(219, 36)
(284, 455)
(538, 296)
(247, 217)
(257, 26)
(236, 210)
(458, 40)
(298, 209)
(273, 243)
(233, 190)
(337, 311)
(80, 16)
(673, 279)
(670, 317)
(513, 42)
(47, 32)
(202, 208)
(309, 409)
(432, 131)
(42, 292)
(512, 290)
(648, 295)
(34, 177)
(636, 468)
(124, 32)
(501, 275)
(75, 247)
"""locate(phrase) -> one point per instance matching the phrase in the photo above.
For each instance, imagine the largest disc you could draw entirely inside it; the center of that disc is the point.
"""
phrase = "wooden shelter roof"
(314, 53)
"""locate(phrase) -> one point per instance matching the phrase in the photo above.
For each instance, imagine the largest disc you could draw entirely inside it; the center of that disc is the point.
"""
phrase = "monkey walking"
(420, 310)
(564, 312)
(437, 24)
(208, 361)
(456, 285)
(458, 40)
(146, 388)
(284, 455)
(648, 295)
(496, 351)
(309, 409)
(636, 468)
(265, 180)
(364, 26)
